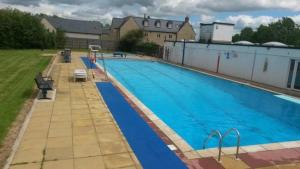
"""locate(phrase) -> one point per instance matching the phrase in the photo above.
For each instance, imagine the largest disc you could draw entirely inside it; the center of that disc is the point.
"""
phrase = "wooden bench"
(44, 84)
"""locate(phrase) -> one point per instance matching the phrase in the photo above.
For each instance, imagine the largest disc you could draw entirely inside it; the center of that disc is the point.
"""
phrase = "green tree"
(263, 34)
(130, 40)
(21, 30)
(247, 34)
(284, 30)
(236, 38)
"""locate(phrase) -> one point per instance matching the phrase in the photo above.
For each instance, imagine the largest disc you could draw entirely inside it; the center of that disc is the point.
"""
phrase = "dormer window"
(157, 23)
(169, 24)
(145, 22)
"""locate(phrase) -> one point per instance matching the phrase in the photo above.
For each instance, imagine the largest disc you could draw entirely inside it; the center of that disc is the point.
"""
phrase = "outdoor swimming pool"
(193, 104)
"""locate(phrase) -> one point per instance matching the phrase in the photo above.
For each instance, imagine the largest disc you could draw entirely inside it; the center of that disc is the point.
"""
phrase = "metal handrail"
(104, 67)
(238, 139)
(214, 133)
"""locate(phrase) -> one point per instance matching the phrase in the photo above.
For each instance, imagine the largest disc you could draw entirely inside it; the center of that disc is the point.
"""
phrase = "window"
(145, 22)
(158, 35)
(169, 24)
(145, 34)
(217, 27)
(157, 23)
(170, 36)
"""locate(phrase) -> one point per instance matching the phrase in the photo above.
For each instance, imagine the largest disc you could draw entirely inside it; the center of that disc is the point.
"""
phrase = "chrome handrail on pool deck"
(214, 133)
(104, 67)
(238, 139)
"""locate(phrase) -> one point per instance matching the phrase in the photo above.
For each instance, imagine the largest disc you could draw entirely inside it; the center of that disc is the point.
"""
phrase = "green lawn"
(17, 71)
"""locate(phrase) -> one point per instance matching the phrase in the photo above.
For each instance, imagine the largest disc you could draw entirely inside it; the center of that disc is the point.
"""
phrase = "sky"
(242, 13)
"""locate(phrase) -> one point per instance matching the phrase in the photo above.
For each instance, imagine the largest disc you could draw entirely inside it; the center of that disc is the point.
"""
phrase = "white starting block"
(80, 74)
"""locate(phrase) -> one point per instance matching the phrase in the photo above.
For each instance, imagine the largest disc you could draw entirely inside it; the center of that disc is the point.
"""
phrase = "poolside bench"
(44, 84)
(122, 54)
(80, 74)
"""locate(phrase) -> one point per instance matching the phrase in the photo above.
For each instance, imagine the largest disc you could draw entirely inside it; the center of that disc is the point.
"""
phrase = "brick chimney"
(186, 19)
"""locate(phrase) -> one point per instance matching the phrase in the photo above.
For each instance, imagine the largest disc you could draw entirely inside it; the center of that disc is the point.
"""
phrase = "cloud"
(167, 7)
(20, 2)
(104, 10)
(242, 21)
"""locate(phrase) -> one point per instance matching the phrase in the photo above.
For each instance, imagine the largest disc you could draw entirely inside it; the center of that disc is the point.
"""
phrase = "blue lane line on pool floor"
(151, 151)
(88, 63)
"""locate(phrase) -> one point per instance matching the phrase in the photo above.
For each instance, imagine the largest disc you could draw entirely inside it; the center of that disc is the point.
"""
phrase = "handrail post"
(238, 140)
(104, 67)
(213, 133)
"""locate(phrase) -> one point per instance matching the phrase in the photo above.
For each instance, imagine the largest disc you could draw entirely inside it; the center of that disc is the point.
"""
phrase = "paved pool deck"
(77, 131)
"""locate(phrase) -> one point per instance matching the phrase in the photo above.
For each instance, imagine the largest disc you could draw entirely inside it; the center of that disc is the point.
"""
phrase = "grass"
(17, 71)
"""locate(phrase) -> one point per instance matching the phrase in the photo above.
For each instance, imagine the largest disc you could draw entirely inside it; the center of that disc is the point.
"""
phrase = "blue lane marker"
(88, 63)
(151, 151)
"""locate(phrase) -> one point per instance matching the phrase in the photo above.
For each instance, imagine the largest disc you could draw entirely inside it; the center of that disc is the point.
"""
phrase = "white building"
(217, 32)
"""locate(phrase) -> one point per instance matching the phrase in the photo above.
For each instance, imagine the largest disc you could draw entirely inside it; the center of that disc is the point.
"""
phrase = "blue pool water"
(193, 104)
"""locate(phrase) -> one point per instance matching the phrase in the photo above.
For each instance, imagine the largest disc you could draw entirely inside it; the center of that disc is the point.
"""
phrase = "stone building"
(155, 30)
(79, 34)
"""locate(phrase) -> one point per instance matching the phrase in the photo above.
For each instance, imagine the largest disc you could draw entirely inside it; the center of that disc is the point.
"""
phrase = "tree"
(130, 40)
(236, 38)
(247, 34)
(21, 30)
(263, 34)
(284, 30)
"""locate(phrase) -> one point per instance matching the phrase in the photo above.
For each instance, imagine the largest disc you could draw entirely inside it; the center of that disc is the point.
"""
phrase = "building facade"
(155, 30)
(80, 34)
(216, 32)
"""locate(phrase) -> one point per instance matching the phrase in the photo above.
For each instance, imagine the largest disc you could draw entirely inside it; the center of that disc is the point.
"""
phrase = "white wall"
(236, 61)
(246, 62)
(277, 69)
(82, 36)
(207, 60)
(222, 33)
(216, 32)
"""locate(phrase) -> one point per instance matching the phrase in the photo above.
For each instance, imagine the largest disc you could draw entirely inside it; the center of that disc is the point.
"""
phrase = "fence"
(78, 43)
(268, 65)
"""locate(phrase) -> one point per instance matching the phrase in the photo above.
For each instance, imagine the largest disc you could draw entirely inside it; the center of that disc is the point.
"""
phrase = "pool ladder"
(221, 138)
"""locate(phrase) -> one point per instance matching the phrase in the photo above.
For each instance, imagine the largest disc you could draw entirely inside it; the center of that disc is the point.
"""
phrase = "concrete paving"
(75, 131)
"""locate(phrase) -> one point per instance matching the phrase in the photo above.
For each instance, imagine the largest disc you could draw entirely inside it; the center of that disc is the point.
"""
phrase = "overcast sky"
(240, 12)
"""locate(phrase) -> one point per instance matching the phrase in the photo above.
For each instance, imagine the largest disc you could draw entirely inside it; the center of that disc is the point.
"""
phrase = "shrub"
(21, 30)
(130, 40)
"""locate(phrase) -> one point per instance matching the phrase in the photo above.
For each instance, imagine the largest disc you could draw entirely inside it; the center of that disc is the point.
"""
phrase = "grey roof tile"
(75, 26)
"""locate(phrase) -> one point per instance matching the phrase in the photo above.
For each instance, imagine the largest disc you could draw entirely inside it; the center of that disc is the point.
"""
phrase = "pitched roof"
(75, 26)
(117, 23)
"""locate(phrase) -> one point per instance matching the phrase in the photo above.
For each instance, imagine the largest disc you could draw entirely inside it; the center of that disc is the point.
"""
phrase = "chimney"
(186, 19)
(148, 17)
(144, 16)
